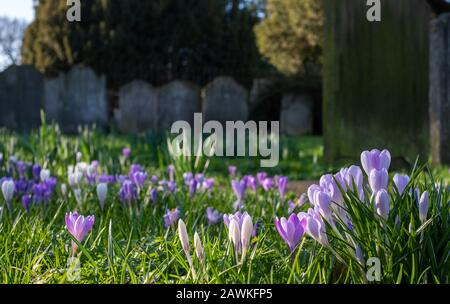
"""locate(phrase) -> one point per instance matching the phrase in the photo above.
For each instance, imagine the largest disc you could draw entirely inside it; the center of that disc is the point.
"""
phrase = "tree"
(11, 33)
(156, 40)
(290, 36)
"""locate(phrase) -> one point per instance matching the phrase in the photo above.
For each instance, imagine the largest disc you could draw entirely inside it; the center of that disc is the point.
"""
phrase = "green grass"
(131, 245)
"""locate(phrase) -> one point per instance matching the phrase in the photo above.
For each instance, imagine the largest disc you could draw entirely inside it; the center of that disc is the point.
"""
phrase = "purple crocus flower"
(291, 230)
(21, 167)
(378, 179)
(128, 192)
(172, 186)
(212, 215)
(251, 182)
(139, 178)
(193, 184)
(21, 186)
(382, 205)
(282, 184)
(375, 159)
(199, 177)
(261, 176)
(232, 171)
(36, 171)
(291, 206)
(171, 217)
(187, 177)
(78, 226)
(43, 191)
(171, 172)
(153, 195)
(239, 218)
(401, 181)
(26, 200)
(267, 184)
(109, 179)
(126, 152)
(208, 184)
(315, 226)
(239, 188)
(154, 179)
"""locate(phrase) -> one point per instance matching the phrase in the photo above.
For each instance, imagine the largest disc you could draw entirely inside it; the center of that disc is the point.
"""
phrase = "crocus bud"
(102, 191)
(198, 247)
(45, 174)
(235, 235)
(423, 207)
(64, 189)
(401, 181)
(246, 232)
(382, 205)
(378, 179)
(8, 189)
(184, 238)
(79, 155)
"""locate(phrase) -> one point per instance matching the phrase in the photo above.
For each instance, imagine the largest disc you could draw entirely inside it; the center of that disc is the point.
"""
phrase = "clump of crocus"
(171, 217)
(291, 230)
(102, 191)
(240, 230)
(212, 215)
(8, 188)
(78, 226)
(128, 192)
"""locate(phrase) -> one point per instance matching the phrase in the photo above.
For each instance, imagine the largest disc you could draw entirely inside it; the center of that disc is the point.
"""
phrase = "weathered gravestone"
(376, 79)
(225, 100)
(76, 98)
(137, 107)
(177, 100)
(21, 97)
(440, 89)
(296, 116)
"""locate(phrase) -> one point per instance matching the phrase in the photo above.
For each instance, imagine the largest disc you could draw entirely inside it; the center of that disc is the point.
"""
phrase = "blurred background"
(329, 76)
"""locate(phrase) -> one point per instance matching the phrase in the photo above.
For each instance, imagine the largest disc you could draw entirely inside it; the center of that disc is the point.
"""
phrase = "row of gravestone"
(72, 99)
(79, 97)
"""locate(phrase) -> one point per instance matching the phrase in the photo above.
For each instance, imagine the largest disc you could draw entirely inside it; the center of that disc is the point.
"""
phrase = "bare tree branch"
(11, 34)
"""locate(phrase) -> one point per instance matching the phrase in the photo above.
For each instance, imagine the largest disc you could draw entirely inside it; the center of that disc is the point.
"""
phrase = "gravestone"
(76, 98)
(137, 107)
(440, 89)
(177, 100)
(375, 80)
(259, 87)
(21, 97)
(296, 116)
(225, 100)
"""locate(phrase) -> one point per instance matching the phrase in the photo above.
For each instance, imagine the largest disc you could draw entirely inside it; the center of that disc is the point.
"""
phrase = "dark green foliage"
(156, 41)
